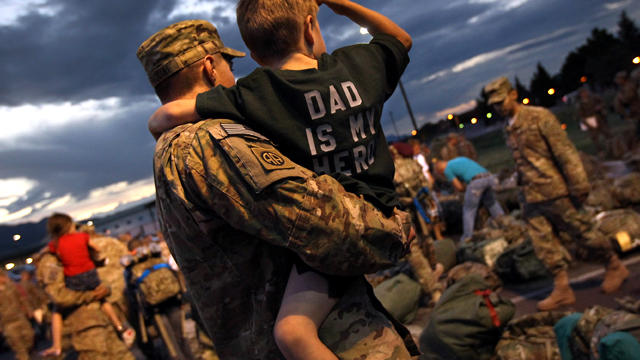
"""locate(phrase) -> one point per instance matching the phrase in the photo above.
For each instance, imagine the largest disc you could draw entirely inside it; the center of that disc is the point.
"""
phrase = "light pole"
(406, 101)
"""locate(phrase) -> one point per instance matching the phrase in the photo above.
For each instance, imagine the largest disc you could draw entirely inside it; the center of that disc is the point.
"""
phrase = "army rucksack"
(467, 322)
(400, 295)
(485, 252)
(530, 337)
(445, 253)
(156, 280)
(519, 263)
(621, 227)
(595, 324)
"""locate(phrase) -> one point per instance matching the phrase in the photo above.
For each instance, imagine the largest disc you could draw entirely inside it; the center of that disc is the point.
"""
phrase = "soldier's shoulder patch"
(255, 157)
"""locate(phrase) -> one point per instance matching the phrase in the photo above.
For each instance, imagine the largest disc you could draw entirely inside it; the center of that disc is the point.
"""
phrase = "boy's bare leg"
(56, 335)
(111, 313)
(304, 307)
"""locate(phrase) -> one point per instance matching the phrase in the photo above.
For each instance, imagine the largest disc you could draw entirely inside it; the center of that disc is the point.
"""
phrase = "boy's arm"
(375, 22)
(172, 114)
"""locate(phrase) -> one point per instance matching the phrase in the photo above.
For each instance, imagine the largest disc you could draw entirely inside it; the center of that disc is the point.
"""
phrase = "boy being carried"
(324, 112)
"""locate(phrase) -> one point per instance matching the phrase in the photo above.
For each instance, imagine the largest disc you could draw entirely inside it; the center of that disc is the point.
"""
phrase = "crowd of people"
(282, 207)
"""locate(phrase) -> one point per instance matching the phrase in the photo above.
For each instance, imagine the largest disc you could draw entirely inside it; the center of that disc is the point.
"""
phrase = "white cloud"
(23, 119)
(12, 189)
(616, 5)
(458, 109)
(500, 7)
(12, 10)
(100, 200)
(225, 9)
(7, 217)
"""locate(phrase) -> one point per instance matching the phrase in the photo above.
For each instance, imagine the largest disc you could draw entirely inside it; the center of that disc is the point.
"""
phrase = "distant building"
(138, 220)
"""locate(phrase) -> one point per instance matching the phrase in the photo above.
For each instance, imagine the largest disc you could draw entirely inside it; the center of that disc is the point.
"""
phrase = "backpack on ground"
(519, 263)
(530, 337)
(467, 322)
(156, 280)
(400, 295)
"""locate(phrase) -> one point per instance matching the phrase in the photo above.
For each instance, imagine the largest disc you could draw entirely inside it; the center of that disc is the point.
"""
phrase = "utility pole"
(393, 121)
(406, 101)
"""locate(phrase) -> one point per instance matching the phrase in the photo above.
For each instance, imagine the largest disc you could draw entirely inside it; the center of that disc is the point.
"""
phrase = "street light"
(28, 260)
(9, 266)
(551, 91)
(413, 132)
(450, 117)
(474, 120)
(525, 101)
(583, 79)
(489, 115)
(89, 223)
(17, 237)
(636, 60)
(461, 126)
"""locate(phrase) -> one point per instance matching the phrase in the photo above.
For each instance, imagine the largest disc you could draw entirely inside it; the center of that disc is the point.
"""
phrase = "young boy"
(323, 111)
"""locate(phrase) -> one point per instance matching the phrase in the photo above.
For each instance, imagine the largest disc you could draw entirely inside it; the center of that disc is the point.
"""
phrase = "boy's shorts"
(85, 281)
(337, 285)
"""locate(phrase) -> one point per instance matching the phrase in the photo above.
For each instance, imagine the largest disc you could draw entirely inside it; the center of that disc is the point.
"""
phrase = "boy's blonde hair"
(272, 29)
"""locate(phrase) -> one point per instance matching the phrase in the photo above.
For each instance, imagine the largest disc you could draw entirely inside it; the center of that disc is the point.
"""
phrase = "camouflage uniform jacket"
(547, 162)
(92, 334)
(11, 310)
(409, 178)
(234, 212)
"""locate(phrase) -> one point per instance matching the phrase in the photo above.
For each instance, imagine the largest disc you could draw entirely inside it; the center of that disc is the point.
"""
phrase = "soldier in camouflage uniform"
(409, 180)
(593, 117)
(14, 325)
(627, 100)
(235, 212)
(92, 335)
(550, 171)
(456, 146)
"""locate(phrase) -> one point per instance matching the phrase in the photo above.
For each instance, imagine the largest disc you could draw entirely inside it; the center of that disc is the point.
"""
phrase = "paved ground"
(585, 281)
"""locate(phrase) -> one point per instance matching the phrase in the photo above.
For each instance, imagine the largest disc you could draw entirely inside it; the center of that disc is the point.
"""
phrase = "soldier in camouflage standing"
(234, 211)
(627, 100)
(409, 181)
(92, 335)
(550, 172)
(593, 118)
(14, 325)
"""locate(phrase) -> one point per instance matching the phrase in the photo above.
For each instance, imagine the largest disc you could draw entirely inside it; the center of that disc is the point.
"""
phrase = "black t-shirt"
(326, 119)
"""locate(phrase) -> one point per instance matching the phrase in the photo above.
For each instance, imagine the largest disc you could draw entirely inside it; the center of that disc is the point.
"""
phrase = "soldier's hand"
(101, 292)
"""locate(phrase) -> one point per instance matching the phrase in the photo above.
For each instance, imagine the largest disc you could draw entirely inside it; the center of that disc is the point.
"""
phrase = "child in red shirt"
(72, 248)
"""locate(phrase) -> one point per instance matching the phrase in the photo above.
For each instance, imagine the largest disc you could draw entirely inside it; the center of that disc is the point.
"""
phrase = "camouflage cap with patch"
(497, 90)
(178, 46)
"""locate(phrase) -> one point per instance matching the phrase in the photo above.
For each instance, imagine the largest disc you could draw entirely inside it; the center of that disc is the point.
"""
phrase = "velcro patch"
(270, 159)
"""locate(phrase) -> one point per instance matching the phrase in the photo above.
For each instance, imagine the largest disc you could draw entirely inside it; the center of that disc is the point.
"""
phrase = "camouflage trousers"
(546, 220)
(100, 343)
(19, 337)
(356, 329)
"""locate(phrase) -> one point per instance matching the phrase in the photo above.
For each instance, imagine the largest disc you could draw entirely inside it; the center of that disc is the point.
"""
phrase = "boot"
(615, 275)
(562, 293)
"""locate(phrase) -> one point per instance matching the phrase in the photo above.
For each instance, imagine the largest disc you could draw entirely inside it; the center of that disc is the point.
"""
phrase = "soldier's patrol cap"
(178, 46)
(497, 90)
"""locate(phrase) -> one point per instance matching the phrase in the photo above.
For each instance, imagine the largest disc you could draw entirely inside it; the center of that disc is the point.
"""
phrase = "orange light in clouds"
(551, 91)
(564, 126)
(525, 101)
(583, 79)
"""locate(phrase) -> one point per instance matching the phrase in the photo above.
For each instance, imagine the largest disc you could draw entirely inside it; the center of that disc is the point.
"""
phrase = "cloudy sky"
(74, 100)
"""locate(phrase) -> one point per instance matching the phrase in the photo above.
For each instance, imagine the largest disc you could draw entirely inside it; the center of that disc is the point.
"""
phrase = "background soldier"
(549, 171)
(457, 145)
(593, 118)
(92, 335)
(14, 324)
(222, 206)
(627, 100)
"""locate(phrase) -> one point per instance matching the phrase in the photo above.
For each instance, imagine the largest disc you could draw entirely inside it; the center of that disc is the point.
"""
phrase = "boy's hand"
(375, 22)
(172, 114)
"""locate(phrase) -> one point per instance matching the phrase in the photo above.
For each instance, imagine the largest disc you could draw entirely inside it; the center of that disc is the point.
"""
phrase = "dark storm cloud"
(83, 156)
(87, 51)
